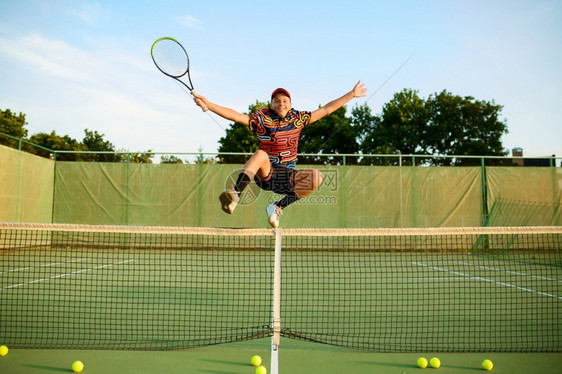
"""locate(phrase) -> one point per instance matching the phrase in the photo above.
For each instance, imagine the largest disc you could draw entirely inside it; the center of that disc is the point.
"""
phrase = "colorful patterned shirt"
(279, 137)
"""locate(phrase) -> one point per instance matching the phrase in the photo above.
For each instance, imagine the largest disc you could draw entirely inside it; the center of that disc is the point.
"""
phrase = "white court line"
(65, 275)
(511, 272)
(429, 278)
(41, 266)
(488, 280)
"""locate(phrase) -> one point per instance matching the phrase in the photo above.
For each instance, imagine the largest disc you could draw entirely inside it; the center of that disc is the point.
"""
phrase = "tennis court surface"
(296, 357)
(345, 293)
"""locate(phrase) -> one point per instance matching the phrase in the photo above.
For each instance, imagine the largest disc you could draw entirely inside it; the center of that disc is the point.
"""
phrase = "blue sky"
(71, 65)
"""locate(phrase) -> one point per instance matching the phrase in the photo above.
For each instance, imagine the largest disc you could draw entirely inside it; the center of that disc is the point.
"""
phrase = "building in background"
(517, 153)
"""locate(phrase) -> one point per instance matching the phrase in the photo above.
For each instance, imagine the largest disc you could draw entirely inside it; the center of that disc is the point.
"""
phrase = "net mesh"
(417, 290)
(119, 288)
(392, 290)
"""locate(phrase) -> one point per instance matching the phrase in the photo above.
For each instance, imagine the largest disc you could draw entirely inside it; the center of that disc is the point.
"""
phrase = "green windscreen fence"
(34, 189)
(187, 195)
(524, 196)
(26, 187)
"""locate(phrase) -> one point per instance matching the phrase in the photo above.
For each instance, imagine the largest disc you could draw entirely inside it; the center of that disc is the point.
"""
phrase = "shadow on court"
(388, 364)
(465, 367)
(224, 362)
(48, 368)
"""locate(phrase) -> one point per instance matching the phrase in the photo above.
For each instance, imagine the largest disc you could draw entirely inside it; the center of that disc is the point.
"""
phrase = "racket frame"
(177, 77)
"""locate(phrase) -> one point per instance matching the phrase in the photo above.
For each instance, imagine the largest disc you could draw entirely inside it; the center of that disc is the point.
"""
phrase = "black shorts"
(280, 180)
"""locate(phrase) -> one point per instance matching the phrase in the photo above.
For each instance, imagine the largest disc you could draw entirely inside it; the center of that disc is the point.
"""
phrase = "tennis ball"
(434, 362)
(77, 366)
(261, 370)
(3, 350)
(422, 362)
(487, 365)
(256, 360)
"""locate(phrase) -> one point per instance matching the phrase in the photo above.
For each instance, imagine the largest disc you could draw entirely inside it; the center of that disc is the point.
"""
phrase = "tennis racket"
(171, 58)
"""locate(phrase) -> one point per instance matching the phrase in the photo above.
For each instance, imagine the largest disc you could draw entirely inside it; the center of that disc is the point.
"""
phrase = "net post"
(274, 367)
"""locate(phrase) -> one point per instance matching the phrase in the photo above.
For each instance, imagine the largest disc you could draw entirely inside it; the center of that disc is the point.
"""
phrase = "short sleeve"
(303, 119)
(257, 120)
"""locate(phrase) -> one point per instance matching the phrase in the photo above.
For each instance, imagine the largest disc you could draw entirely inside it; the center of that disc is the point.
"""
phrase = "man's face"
(281, 104)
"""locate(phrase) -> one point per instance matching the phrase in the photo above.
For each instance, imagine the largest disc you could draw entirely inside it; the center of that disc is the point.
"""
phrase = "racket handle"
(203, 106)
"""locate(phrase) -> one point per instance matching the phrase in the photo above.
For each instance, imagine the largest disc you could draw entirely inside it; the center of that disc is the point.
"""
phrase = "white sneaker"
(229, 199)
(273, 215)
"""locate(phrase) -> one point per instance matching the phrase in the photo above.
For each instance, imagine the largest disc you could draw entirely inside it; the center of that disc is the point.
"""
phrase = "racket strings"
(171, 58)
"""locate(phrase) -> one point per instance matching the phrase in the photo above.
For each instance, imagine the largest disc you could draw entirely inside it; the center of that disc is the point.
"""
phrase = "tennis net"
(388, 290)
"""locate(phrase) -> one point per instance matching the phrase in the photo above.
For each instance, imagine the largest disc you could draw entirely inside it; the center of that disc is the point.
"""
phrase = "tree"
(365, 123)
(56, 142)
(171, 159)
(463, 126)
(94, 142)
(12, 124)
(400, 128)
(444, 124)
(137, 158)
(330, 135)
(363, 120)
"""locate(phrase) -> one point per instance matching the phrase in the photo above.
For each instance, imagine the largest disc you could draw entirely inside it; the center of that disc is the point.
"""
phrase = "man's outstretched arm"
(358, 91)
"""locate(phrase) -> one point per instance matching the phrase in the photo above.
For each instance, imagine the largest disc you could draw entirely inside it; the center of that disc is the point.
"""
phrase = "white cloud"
(190, 22)
(114, 93)
(51, 57)
(89, 12)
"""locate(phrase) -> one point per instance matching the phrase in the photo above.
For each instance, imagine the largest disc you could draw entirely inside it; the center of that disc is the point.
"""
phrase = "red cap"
(281, 90)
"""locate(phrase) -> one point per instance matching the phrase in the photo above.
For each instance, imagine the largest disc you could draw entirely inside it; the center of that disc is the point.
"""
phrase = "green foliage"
(399, 129)
(57, 143)
(13, 125)
(258, 105)
(170, 160)
(400, 126)
(331, 134)
(442, 124)
(363, 120)
(464, 126)
(137, 158)
(206, 161)
(365, 123)
(94, 141)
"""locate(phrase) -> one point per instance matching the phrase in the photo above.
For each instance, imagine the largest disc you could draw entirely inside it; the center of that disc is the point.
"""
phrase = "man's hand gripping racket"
(171, 58)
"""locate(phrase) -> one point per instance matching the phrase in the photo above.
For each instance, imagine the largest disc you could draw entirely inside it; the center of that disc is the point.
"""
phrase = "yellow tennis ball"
(422, 362)
(487, 365)
(77, 366)
(3, 350)
(261, 370)
(434, 362)
(256, 360)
